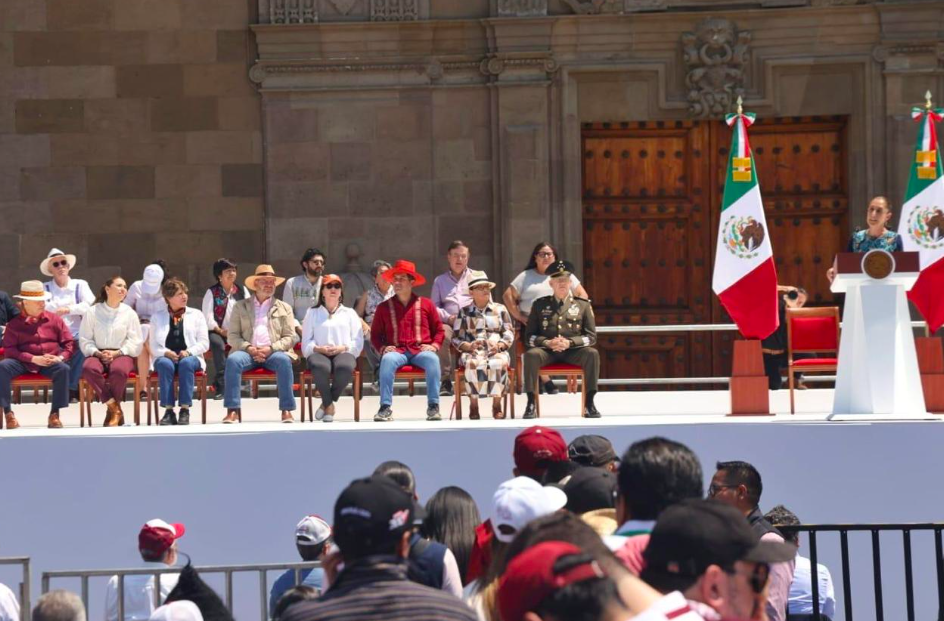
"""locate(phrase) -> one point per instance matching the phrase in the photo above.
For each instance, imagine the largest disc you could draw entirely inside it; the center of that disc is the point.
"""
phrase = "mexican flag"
(922, 218)
(745, 278)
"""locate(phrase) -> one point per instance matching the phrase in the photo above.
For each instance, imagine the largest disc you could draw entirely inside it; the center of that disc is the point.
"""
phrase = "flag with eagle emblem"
(745, 279)
(922, 217)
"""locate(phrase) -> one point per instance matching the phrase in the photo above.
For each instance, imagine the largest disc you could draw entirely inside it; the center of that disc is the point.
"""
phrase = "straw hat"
(263, 270)
(53, 254)
(33, 291)
(478, 277)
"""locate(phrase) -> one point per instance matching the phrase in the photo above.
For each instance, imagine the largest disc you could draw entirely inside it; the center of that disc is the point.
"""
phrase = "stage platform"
(76, 498)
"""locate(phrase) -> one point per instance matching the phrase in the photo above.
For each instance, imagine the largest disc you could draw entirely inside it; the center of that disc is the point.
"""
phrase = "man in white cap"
(144, 296)
(312, 536)
(70, 299)
(520, 500)
(36, 341)
(157, 544)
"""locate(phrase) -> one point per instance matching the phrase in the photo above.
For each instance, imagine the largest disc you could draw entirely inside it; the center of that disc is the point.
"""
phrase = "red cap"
(157, 536)
(537, 446)
(530, 577)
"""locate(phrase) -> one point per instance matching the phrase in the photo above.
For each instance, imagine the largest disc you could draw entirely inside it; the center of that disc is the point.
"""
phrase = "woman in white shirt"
(144, 296)
(332, 339)
(217, 307)
(179, 338)
(110, 339)
(534, 283)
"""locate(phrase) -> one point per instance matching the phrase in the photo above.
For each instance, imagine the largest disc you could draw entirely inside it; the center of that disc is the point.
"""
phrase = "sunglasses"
(757, 579)
(333, 285)
(60, 264)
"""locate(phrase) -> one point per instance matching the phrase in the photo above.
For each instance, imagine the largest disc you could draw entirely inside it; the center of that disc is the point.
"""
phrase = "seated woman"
(531, 284)
(218, 305)
(144, 296)
(332, 339)
(36, 341)
(877, 236)
(483, 334)
(179, 338)
(110, 338)
(367, 305)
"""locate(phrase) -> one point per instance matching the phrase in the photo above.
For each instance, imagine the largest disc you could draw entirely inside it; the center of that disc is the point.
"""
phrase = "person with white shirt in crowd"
(9, 607)
(303, 291)
(145, 297)
(71, 299)
(179, 338)
(157, 544)
(332, 339)
(218, 303)
(110, 339)
(800, 599)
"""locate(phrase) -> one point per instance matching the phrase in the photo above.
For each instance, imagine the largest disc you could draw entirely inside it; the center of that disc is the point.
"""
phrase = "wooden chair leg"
(302, 392)
(511, 397)
(254, 387)
(82, 403)
(310, 389)
(411, 387)
(790, 380)
(137, 407)
(357, 395)
(203, 400)
(458, 384)
(583, 394)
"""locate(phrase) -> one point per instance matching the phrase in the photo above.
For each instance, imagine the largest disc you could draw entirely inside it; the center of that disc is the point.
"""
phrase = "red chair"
(572, 373)
(309, 392)
(811, 330)
(85, 400)
(30, 380)
(199, 381)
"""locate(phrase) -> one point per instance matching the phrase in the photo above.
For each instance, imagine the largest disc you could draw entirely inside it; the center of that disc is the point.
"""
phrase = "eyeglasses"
(60, 264)
(757, 579)
(333, 285)
(714, 490)
(545, 255)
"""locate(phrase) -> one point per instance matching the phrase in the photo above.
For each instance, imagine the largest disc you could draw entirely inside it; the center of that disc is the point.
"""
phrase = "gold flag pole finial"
(740, 103)
(927, 100)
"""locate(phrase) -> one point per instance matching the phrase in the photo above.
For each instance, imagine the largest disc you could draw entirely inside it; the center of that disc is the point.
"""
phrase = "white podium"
(878, 373)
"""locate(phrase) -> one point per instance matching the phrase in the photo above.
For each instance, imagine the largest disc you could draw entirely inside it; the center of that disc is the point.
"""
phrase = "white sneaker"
(320, 414)
(328, 418)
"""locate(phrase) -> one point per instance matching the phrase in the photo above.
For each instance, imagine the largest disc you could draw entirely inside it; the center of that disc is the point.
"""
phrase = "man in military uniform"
(561, 328)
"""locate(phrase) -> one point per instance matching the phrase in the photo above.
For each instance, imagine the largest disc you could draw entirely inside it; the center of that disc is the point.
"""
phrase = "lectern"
(878, 372)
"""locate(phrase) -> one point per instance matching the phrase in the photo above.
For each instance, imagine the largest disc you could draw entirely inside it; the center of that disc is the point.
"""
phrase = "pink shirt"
(260, 332)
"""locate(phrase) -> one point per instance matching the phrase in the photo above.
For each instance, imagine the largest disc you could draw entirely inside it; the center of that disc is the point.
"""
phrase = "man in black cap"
(561, 328)
(373, 522)
(594, 451)
(591, 494)
(706, 550)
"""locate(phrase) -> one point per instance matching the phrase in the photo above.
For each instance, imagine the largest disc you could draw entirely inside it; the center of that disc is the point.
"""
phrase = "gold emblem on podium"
(878, 264)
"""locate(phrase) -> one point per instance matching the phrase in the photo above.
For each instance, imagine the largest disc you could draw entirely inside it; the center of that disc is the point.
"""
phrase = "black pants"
(772, 365)
(322, 367)
(218, 349)
(58, 373)
(587, 358)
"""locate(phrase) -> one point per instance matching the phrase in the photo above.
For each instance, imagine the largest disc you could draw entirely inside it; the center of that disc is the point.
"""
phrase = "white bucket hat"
(55, 252)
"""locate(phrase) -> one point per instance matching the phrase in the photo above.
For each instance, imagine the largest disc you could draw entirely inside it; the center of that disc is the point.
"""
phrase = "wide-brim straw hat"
(478, 277)
(53, 254)
(33, 291)
(405, 267)
(263, 270)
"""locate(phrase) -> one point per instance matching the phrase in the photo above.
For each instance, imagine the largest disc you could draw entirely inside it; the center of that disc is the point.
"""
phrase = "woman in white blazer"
(179, 338)
(110, 339)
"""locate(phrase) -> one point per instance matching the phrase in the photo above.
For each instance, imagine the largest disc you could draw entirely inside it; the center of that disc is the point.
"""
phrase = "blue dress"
(861, 241)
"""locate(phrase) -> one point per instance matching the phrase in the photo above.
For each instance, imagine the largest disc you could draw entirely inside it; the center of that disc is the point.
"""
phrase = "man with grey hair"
(59, 606)
(367, 305)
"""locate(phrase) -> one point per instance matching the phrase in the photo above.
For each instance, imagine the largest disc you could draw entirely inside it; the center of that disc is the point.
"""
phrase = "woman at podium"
(877, 236)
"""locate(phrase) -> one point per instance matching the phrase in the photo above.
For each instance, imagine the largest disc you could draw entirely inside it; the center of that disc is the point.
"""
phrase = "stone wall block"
(289, 237)
(110, 182)
(120, 117)
(86, 15)
(151, 81)
(79, 82)
(24, 217)
(410, 160)
(148, 14)
(477, 196)
(91, 149)
(132, 251)
(9, 183)
(187, 180)
(83, 216)
(232, 46)
(243, 180)
(165, 215)
(218, 80)
(295, 200)
(35, 247)
(285, 124)
(53, 183)
(216, 15)
(350, 162)
(219, 148)
(9, 249)
(225, 214)
(24, 150)
(381, 198)
(239, 113)
(49, 116)
(447, 196)
(346, 123)
(298, 162)
(184, 115)
(69, 49)
(22, 15)
(403, 123)
(181, 46)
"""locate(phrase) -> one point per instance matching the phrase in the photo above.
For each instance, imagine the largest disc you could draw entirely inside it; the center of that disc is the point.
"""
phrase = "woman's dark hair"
(310, 254)
(532, 261)
(400, 473)
(451, 519)
(300, 593)
(173, 286)
(191, 587)
(221, 265)
(321, 296)
(102, 293)
(586, 600)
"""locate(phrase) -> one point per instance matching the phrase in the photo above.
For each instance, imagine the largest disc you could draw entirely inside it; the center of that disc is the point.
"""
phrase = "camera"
(793, 295)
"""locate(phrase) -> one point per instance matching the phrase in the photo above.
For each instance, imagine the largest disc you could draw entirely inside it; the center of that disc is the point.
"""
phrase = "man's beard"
(316, 273)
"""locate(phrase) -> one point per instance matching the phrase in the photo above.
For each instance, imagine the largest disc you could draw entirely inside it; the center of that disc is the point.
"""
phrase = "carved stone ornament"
(522, 8)
(595, 7)
(344, 6)
(716, 56)
(394, 10)
(292, 12)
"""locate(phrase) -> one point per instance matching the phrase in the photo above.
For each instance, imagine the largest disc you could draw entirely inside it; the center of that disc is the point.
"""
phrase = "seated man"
(312, 536)
(561, 328)
(8, 310)
(157, 544)
(261, 334)
(407, 330)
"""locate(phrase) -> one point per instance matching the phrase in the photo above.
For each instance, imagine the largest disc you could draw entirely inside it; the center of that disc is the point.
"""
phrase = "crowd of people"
(577, 533)
(61, 330)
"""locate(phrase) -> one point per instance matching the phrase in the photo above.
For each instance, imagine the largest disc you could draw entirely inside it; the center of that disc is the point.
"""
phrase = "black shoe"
(529, 411)
(73, 396)
(550, 388)
(432, 412)
(591, 411)
(445, 389)
(169, 417)
(184, 417)
(384, 414)
(217, 392)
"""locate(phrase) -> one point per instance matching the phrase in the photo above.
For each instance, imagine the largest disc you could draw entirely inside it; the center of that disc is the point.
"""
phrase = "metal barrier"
(875, 529)
(226, 570)
(24, 594)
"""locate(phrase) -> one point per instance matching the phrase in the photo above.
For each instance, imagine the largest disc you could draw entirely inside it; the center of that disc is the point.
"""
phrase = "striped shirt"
(378, 588)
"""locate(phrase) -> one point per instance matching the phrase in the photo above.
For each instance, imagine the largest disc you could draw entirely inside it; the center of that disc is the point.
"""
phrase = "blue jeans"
(277, 362)
(185, 370)
(75, 367)
(426, 360)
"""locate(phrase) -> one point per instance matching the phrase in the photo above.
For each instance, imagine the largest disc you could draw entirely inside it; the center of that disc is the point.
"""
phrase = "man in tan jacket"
(261, 334)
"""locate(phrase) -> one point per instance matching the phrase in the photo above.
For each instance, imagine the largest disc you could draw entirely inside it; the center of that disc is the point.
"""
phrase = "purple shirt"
(49, 335)
(451, 294)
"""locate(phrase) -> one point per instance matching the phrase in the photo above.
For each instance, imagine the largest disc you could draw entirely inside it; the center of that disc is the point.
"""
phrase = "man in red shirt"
(407, 330)
(36, 341)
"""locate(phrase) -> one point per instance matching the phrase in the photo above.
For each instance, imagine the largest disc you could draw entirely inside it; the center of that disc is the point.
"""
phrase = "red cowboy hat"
(405, 267)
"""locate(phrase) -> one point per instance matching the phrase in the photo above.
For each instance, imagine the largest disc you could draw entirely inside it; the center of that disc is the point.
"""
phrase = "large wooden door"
(650, 214)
